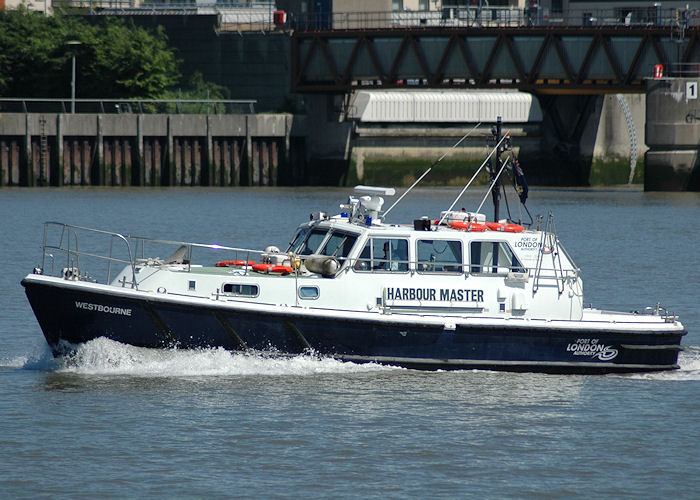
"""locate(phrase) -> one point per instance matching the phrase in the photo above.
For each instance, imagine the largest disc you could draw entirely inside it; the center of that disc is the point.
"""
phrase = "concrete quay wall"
(581, 141)
(49, 149)
(673, 135)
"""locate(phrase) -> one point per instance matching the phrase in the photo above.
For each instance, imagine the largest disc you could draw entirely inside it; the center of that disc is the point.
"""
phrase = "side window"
(240, 290)
(493, 257)
(384, 254)
(439, 256)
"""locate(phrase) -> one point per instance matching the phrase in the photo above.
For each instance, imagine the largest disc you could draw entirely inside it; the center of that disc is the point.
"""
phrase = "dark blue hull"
(75, 316)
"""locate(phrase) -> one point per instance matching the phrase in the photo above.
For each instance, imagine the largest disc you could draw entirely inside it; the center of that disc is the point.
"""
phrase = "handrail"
(549, 240)
(152, 240)
(260, 16)
(494, 16)
(124, 106)
(69, 243)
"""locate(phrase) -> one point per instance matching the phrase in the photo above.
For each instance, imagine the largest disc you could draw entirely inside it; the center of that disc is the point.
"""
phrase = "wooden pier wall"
(45, 149)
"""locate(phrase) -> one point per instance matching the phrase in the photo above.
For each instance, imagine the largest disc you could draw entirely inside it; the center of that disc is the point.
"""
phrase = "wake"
(107, 357)
(104, 357)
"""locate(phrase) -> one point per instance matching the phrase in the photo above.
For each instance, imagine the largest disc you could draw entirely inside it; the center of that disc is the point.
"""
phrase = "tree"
(197, 89)
(129, 62)
(114, 60)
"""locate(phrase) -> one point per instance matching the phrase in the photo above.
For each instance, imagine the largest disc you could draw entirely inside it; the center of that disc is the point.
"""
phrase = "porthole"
(308, 292)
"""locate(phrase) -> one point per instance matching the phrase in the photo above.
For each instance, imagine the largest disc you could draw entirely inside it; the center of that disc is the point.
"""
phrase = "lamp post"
(73, 44)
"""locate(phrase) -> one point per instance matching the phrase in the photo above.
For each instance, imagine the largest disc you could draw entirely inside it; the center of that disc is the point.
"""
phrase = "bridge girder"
(577, 60)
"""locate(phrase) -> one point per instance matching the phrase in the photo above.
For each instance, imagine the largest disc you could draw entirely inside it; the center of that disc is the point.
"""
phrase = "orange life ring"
(513, 228)
(467, 226)
(234, 263)
(272, 269)
(508, 228)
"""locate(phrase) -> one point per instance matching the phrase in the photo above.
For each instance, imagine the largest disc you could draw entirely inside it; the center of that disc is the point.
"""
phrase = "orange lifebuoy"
(502, 226)
(272, 269)
(513, 228)
(234, 263)
(467, 226)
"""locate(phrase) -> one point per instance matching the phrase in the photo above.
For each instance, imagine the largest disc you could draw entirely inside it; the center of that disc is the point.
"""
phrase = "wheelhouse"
(395, 249)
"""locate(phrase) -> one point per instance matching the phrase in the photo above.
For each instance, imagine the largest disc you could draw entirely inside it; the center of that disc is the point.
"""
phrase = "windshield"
(339, 244)
(298, 239)
(312, 242)
(308, 241)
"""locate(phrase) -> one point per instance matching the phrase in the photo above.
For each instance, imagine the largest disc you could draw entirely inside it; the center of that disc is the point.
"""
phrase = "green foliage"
(113, 60)
(197, 89)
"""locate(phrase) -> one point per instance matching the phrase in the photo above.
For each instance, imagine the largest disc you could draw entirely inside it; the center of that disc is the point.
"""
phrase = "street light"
(73, 44)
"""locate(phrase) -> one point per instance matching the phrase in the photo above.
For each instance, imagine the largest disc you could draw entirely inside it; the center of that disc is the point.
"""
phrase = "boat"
(453, 291)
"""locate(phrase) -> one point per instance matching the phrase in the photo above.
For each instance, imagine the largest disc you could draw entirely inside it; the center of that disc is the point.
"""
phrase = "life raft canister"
(272, 269)
(234, 263)
(468, 226)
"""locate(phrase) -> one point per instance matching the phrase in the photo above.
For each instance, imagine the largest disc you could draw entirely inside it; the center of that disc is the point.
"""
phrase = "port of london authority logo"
(592, 348)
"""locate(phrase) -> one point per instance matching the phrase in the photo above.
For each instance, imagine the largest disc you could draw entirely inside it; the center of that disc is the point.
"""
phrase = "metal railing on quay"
(247, 16)
(494, 17)
(682, 70)
(129, 106)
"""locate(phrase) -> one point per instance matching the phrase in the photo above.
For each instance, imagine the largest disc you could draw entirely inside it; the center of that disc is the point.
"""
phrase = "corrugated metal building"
(416, 106)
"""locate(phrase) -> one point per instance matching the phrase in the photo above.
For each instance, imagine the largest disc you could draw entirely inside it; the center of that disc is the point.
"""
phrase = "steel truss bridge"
(545, 60)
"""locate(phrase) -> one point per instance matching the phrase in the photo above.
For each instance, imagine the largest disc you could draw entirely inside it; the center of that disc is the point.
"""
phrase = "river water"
(119, 422)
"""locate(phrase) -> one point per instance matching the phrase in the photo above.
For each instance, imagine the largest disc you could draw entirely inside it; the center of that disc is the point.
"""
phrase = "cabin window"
(191, 285)
(439, 256)
(493, 257)
(384, 254)
(298, 240)
(312, 242)
(240, 290)
(308, 292)
(339, 245)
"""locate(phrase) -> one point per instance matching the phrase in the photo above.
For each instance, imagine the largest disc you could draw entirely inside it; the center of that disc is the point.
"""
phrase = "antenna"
(471, 180)
(429, 169)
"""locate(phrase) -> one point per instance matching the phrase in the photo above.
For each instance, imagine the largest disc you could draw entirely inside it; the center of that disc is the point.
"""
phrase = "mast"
(496, 189)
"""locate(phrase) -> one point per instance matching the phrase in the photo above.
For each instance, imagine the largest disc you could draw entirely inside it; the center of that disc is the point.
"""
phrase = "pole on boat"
(491, 186)
(429, 169)
(496, 188)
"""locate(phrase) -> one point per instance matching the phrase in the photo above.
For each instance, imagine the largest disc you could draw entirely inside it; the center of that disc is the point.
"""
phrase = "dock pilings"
(63, 149)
